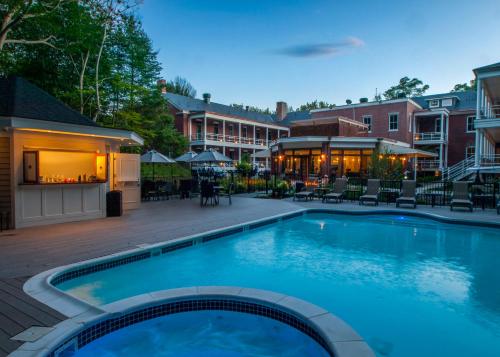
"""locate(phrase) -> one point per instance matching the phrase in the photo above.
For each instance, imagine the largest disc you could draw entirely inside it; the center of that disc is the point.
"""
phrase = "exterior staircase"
(459, 170)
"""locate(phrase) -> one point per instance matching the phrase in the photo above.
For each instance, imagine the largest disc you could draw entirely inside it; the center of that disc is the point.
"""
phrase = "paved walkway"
(26, 252)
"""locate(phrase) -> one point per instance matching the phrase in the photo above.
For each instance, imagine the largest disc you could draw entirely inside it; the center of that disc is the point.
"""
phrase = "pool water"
(409, 286)
(206, 333)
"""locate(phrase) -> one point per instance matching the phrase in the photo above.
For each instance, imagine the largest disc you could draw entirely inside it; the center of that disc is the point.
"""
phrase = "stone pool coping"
(337, 337)
(41, 287)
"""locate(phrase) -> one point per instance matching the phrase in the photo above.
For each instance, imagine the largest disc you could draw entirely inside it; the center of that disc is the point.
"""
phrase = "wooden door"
(126, 178)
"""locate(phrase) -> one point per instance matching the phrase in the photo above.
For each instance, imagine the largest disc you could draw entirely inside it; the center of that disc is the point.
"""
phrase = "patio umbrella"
(186, 157)
(154, 157)
(211, 156)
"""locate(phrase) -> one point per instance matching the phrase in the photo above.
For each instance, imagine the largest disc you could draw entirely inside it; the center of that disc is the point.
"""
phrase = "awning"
(155, 157)
(402, 150)
(263, 154)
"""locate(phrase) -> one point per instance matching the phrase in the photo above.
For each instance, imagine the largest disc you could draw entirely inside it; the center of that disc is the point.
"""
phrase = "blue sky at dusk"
(258, 52)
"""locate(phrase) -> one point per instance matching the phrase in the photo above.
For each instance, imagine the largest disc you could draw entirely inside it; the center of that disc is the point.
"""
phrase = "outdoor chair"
(338, 193)
(408, 194)
(164, 190)
(372, 191)
(149, 191)
(461, 196)
(227, 192)
(302, 193)
(207, 193)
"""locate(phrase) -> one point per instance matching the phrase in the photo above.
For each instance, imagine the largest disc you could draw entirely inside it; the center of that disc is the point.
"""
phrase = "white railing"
(428, 164)
(493, 113)
(459, 170)
(490, 160)
(429, 136)
(228, 139)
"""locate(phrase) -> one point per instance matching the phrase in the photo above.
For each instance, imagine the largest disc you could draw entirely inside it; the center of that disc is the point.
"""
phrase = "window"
(469, 151)
(198, 130)
(231, 130)
(367, 119)
(470, 124)
(393, 121)
(434, 103)
(216, 129)
(245, 132)
(447, 102)
(437, 125)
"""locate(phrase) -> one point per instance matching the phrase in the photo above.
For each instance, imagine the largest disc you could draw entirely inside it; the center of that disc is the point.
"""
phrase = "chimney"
(281, 110)
(162, 84)
(246, 108)
(206, 97)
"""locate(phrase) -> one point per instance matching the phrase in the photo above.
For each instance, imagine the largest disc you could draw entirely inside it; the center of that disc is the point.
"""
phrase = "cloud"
(320, 49)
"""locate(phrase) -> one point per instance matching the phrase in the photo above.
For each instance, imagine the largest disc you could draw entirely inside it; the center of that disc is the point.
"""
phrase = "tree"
(251, 108)
(315, 105)
(385, 166)
(406, 88)
(19, 15)
(181, 86)
(462, 87)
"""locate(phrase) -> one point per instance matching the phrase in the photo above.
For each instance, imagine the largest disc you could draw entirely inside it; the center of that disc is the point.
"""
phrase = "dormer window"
(448, 102)
(434, 103)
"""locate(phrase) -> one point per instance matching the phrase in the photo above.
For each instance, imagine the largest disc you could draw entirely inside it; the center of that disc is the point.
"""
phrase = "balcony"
(429, 138)
(490, 160)
(228, 140)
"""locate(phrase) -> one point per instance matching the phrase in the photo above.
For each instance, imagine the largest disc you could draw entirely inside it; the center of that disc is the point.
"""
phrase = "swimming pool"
(206, 333)
(409, 286)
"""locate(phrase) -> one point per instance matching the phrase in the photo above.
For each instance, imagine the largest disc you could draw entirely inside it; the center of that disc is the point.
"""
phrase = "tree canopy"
(95, 56)
(315, 105)
(462, 87)
(181, 86)
(406, 88)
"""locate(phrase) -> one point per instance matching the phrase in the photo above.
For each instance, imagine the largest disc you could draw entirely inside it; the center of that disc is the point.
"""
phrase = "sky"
(258, 52)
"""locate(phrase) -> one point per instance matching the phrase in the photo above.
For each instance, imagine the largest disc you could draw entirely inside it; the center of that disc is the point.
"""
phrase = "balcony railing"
(490, 160)
(429, 136)
(228, 139)
(428, 164)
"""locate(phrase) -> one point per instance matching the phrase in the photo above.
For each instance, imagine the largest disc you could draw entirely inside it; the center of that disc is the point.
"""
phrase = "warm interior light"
(70, 133)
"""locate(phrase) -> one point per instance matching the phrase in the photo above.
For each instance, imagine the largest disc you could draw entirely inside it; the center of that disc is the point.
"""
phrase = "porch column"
(414, 125)
(239, 132)
(267, 137)
(205, 132)
(223, 137)
(278, 133)
(254, 136)
(478, 115)
(190, 131)
(415, 167)
(253, 156)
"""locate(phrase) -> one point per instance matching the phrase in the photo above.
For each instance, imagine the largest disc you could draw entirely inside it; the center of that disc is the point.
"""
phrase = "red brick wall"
(316, 130)
(380, 118)
(459, 139)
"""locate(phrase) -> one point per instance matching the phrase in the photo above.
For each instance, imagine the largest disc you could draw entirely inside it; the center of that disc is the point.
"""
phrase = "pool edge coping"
(340, 338)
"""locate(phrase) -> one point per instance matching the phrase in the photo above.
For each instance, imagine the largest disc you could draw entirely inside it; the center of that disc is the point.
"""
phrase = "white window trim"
(438, 120)
(467, 148)
(467, 124)
(389, 121)
(371, 122)
(433, 106)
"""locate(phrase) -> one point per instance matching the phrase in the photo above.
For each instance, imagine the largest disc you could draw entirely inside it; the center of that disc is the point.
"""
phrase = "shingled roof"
(197, 105)
(21, 99)
(466, 100)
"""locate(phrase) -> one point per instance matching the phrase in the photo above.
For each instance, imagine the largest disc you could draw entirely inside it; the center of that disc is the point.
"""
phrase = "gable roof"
(466, 100)
(197, 105)
(19, 98)
(490, 67)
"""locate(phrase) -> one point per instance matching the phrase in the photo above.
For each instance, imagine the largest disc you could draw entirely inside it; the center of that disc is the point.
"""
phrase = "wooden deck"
(18, 312)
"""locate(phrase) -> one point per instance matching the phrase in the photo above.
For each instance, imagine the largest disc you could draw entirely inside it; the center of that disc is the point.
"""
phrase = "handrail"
(228, 139)
(429, 136)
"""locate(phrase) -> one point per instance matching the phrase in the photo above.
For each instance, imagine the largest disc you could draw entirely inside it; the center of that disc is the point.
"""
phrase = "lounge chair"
(301, 192)
(408, 194)
(461, 196)
(338, 191)
(372, 191)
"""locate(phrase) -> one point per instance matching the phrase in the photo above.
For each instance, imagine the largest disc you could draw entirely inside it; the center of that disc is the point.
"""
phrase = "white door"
(127, 173)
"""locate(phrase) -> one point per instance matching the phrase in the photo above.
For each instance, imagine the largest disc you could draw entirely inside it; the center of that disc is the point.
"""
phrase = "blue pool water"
(409, 286)
(205, 333)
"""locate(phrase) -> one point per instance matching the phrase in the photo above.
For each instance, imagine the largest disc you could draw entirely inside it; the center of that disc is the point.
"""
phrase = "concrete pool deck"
(26, 252)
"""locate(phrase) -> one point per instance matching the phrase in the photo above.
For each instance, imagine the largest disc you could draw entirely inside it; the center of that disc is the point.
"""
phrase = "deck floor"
(28, 251)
